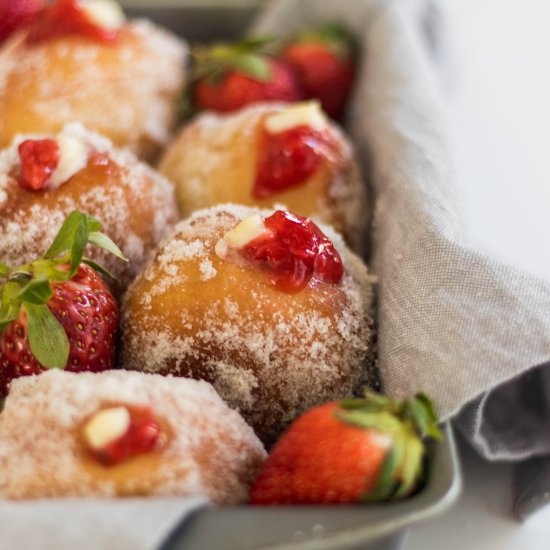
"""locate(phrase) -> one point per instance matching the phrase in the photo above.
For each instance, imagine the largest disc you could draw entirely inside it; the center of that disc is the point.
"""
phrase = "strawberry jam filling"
(16, 14)
(67, 17)
(141, 437)
(294, 251)
(39, 158)
(289, 158)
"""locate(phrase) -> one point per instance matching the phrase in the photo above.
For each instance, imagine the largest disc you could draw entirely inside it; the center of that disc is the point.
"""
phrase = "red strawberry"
(227, 77)
(350, 451)
(15, 14)
(56, 312)
(325, 64)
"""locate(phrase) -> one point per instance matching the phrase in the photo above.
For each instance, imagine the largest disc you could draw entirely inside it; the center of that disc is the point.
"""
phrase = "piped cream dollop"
(306, 113)
(104, 13)
(243, 233)
(106, 427)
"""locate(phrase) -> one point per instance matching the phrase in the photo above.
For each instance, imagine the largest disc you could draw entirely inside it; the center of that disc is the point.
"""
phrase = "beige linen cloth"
(453, 323)
(457, 324)
(471, 331)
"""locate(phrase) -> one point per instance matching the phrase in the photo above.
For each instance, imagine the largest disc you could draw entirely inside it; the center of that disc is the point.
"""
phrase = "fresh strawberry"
(229, 76)
(16, 14)
(355, 450)
(56, 312)
(324, 61)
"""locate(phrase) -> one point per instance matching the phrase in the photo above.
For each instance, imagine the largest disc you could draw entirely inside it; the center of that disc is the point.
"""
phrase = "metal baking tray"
(372, 526)
(368, 526)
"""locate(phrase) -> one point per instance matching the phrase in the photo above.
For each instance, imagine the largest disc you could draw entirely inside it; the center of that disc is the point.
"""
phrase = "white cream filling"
(243, 233)
(306, 113)
(104, 13)
(106, 426)
(73, 157)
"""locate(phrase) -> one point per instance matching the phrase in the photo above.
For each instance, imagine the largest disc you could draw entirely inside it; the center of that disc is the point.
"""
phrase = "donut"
(269, 154)
(81, 61)
(45, 177)
(274, 338)
(120, 433)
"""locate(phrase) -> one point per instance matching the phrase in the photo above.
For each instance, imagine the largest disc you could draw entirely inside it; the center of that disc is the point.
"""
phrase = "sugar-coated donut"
(127, 89)
(134, 203)
(218, 158)
(270, 353)
(54, 428)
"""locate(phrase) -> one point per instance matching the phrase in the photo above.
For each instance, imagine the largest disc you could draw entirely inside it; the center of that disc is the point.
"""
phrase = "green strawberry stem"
(408, 423)
(211, 63)
(28, 288)
(333, 35)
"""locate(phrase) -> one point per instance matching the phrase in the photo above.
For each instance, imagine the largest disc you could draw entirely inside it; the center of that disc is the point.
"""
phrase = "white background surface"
(500, 116)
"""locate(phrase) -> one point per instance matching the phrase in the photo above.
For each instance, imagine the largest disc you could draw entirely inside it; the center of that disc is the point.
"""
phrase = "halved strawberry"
(355, 450)
(324, 62)
(229, 76)
(56, 312)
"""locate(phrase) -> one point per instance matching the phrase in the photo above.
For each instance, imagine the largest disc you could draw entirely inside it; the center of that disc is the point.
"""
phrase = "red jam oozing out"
(17, 14)
(294, 252)
(39, 158)
(66, 17)
(289, 158)
(142, 436)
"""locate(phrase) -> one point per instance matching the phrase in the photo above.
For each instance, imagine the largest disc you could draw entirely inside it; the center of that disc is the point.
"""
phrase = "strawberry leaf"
(37, 291)
(47, 338)
(4, 323)
(251, 65)
(248, 57)
(411, 466)
(65, 237)
(20, 277)
(10, 303)
(99, 268)
(7, 315)
(253, 43)
(421, 410)
(332, 31)
(101, 240)
(383, 422)
(75, 233)
(80, 240)
(93, 223)
(386, 484)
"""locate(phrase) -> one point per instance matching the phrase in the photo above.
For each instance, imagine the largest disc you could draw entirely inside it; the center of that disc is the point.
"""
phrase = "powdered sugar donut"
(274, 338)
(45, 177)
(121, 79)
(122, 433)
(269, 154)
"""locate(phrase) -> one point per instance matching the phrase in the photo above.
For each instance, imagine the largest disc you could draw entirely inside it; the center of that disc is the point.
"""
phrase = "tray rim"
(439, 494)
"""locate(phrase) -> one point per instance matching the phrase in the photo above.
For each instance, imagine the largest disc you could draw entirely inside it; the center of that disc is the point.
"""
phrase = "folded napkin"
(453, 322)
(91, 524)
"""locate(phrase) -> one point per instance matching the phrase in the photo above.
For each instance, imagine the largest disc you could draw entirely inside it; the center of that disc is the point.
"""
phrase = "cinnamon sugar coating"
(213, 161)
(271, 355)
(209, 448)
(134, 203)
(128, 90)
